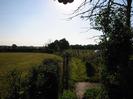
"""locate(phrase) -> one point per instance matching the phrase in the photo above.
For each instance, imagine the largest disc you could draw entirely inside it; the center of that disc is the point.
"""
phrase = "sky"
(38, 22)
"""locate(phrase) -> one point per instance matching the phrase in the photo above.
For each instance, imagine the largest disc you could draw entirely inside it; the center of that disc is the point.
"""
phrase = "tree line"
(56, 46)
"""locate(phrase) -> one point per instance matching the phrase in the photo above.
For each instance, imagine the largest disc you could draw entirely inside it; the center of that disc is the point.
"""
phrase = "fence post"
(66, 70)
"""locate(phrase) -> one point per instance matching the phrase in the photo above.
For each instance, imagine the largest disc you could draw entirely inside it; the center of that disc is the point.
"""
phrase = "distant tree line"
(15, 48)
(56, 46)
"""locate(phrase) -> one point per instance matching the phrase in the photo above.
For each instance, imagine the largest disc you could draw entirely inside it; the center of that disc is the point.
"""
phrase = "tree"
(113, 18)
(59, 45)
(117, 45)
(14, 46)
(63, 44)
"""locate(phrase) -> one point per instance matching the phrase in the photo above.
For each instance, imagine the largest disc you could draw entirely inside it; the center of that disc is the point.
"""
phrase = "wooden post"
(66, 71)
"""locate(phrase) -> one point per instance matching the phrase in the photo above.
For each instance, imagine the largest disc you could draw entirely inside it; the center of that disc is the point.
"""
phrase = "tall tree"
(63, 44)
(60, 45)
(113, 18)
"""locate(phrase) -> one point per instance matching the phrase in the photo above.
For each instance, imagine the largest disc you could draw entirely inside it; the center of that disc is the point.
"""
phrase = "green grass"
(22, 61)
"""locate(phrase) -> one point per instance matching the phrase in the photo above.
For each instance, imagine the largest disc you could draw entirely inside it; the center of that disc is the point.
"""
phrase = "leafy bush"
(92, 93)
(68, 95)
(16, 85)
(78, 70)
(88, 62)
(44, 81)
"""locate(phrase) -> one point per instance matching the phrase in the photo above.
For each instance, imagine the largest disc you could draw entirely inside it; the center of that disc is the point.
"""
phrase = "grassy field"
(22, 61)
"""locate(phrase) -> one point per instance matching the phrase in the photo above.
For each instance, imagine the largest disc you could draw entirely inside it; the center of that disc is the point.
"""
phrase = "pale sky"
(36, 22)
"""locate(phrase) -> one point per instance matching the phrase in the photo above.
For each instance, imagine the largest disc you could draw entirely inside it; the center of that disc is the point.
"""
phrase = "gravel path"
(81, 87)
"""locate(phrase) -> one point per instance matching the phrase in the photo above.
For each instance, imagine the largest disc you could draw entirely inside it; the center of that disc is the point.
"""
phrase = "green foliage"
(102, 93)
(92, 93)
(78, 70)
(14, 85)
(44, 81)
(78, 62)
(116, 44)
(67, 94)
(14, 82)
(58, 46)
(63, 44)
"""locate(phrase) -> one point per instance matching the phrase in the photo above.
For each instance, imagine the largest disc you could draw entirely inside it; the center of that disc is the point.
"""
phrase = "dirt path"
(81, 87)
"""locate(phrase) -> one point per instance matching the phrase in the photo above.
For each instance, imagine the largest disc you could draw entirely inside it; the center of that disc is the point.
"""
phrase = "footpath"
(81, 87)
